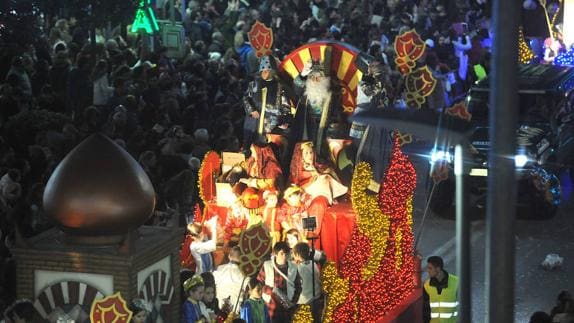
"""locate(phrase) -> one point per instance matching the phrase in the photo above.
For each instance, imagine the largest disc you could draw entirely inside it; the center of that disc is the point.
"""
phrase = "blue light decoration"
(565, 58)
(145, 19)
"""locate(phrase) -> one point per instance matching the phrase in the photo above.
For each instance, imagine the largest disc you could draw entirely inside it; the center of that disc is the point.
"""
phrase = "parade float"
(372, 273)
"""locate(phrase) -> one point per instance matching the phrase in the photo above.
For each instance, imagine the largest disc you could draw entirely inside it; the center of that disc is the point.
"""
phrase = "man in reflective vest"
(440, 293)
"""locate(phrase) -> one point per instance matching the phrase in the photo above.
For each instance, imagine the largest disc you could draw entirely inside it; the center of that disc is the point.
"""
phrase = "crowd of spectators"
(167, 113)
(563, 312)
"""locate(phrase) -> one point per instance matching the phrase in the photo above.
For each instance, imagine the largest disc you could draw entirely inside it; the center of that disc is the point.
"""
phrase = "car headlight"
(440, 155)
(520, 160)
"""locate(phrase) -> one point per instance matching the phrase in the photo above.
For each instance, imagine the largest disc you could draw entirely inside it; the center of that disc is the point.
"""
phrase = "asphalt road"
(535, 288)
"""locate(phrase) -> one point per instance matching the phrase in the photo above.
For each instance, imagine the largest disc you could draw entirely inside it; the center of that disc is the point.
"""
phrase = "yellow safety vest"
(443, 306)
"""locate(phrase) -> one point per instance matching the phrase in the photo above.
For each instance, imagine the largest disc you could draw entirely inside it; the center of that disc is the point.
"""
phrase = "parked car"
(545, 142)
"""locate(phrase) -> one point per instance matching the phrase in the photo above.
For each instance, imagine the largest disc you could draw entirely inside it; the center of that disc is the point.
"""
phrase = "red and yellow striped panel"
(338, 57)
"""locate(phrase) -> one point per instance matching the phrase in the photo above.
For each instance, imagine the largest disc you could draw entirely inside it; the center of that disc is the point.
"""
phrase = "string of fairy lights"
(378, 265)
(525, 54)
(303, 314)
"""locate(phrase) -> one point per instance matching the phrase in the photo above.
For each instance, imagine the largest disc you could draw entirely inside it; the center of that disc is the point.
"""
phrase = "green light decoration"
(145, 19)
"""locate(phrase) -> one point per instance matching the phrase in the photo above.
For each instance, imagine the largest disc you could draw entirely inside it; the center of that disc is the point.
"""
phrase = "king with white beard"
(318, 107)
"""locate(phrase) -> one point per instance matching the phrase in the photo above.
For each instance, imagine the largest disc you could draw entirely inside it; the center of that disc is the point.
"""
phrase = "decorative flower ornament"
(409, 47)
(459, 110)
(112, 308)
(419, 85)
(254, 244)
(261, 39)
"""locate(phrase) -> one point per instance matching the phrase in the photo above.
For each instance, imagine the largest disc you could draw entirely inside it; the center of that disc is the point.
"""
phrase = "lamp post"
(462, 235)
(501, 198)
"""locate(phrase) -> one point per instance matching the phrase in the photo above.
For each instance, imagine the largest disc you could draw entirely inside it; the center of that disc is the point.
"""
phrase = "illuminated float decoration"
(419, 82)
(261, 39)
(381, 247)
(338, 59)
(110, 309)
(409, 47)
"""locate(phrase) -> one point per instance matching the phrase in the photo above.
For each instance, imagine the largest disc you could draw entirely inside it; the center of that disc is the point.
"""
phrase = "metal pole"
(501, 198)
(171, 12)
(182, 11)
(462, 238)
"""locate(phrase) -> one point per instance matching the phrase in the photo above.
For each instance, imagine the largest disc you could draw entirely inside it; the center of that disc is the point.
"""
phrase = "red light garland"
(383, 234)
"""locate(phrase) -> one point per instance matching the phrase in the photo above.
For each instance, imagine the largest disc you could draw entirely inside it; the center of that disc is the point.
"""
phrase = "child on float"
(282, 283)
(194, 309)
(210, 300)
(202, 246)
(140, 310)
(229, 280)
(254, 309)
(292, 237)
(270, 215)
(311, 290)
(298, 206)
(252, 206)
(292, 210)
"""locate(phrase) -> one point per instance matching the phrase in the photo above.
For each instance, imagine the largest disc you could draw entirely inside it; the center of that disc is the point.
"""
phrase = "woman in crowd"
(254, 309)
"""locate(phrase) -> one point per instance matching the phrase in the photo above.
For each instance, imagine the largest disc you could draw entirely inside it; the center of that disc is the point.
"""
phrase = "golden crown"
(307, 144)
(192, 282)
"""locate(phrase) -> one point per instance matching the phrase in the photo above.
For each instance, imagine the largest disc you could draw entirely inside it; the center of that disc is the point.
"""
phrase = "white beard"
(317, 92)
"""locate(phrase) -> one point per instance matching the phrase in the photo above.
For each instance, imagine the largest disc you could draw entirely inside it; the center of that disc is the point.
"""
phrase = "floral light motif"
(112, 308)
(459, 110)
(363, 291)
(409, 47)
(261, 39)
(254, 244)
(419, 84)
(525, 54)
(336, 287)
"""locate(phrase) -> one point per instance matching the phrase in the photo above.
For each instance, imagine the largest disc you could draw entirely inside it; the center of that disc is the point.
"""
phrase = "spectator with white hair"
(201, 141)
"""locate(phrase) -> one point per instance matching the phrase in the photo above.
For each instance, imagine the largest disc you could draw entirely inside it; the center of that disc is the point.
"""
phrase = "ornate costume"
(263, 166)
(266, 104)
(315, 179)
(271, 215)
(194, 311)
(255, 311)
(318, 110)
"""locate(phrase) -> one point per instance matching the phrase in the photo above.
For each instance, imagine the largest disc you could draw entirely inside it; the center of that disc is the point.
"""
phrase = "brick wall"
(46, 252)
